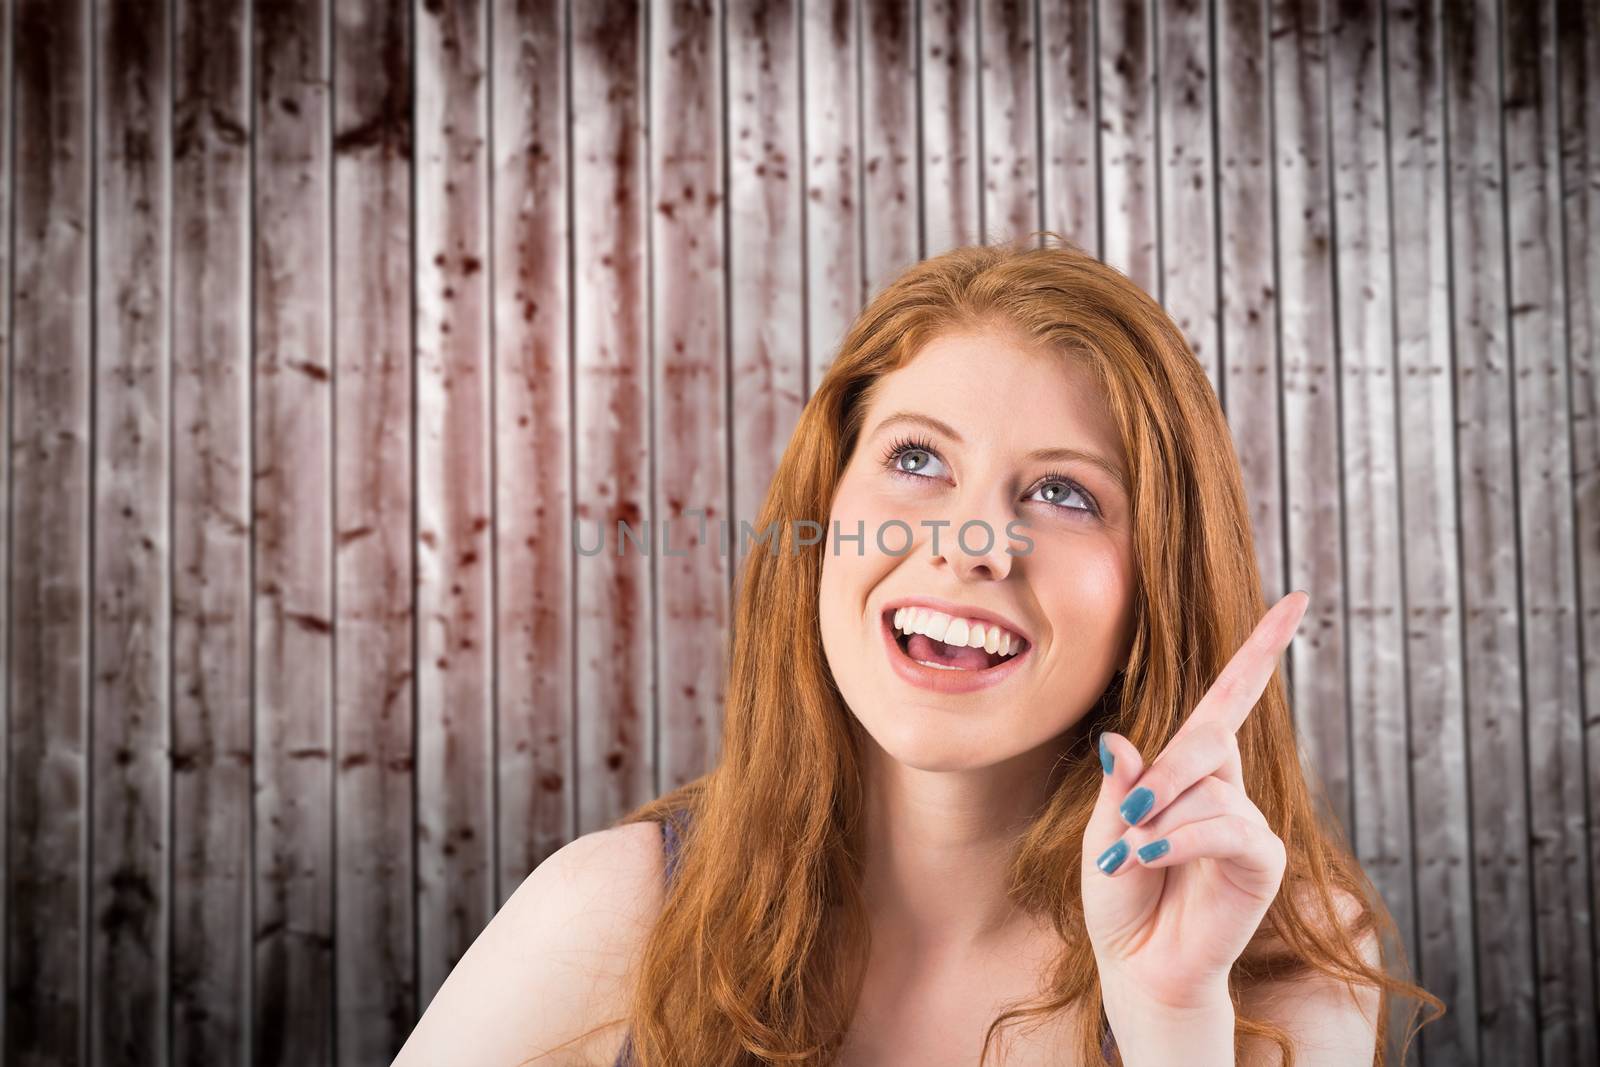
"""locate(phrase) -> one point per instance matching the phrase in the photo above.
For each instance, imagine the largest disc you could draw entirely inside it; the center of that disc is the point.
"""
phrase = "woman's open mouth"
(954, 664)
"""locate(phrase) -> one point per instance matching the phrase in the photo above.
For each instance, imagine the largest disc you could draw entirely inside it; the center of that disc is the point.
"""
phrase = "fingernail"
(1153, 851)
(1137, 805)
(1112, 857)
(1107, 760)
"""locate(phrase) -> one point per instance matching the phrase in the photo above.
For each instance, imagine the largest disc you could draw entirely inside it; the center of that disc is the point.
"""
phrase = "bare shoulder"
(1328, 1021)
(554, 962)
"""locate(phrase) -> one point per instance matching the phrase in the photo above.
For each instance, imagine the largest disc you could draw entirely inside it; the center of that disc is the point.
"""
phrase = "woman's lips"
(941, 680)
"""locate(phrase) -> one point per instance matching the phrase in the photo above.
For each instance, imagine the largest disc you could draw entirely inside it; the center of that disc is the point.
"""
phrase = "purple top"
(669, 835)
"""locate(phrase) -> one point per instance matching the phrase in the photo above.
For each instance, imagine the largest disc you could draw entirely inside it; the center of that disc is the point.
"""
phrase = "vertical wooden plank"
(891, 209)
(1562, 921)
(50, 511)
(1249, 380)
(1421, 278)
(1487, 476)
(532, 297)
(1008, 66)
(374, 917)
(766, 265)
(1578, 68)
(616, 685)
(455, 607)
(688, 384)
(1068, 126)
(1310, 399)
(1188, 196)
(292, 468)
(1128, 163)
(1380, 794)
(211, 538)
(7, 40)
(834, 267)
(949, 116)
(129, 691)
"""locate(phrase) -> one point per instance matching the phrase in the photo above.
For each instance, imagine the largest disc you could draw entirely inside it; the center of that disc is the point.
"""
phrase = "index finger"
(1241, 683)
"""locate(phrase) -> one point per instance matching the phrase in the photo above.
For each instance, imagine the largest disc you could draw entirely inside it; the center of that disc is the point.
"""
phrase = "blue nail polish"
(1112, 857)
(1137, 805)
(1153, 851)
(1107, 760)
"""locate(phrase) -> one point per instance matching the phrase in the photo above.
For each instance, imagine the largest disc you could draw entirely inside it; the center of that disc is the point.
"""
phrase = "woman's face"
(952, 438)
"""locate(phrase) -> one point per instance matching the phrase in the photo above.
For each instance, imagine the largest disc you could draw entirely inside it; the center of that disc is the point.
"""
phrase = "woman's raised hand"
(1179, 867)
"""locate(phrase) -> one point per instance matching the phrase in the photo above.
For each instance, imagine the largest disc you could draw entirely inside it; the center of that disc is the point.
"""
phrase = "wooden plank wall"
(323, 319)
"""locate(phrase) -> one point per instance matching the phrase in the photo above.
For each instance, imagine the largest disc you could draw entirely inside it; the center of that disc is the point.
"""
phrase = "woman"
(934, 817)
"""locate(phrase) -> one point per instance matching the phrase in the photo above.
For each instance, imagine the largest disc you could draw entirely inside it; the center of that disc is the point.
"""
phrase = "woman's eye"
(915, 460)
(1057, 490)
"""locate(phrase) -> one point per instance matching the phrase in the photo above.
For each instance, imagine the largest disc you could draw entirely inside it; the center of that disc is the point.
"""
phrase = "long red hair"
(759, 952)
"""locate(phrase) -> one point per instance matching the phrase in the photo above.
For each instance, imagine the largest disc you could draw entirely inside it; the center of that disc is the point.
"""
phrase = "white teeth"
(956, 631)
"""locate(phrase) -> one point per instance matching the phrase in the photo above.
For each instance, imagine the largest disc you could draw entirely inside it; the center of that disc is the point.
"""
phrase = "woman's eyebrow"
(1094, 458)
(923, 420)
(1045, 454)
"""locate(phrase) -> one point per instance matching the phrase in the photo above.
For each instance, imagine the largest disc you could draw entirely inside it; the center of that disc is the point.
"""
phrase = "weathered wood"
(951, 158)
(1380, 798)
(1398, 308)
(211, 536)
(7, 158)
(1009, 72)
(1249, 337)
(127, 911)
(1578, 64)
(1309, 390)
(374, 913)
(1562, 920)
(455, 502)
(766, 257)
(1069, 132)
(688, 386)
(835, 272)
(1445, 950)
(292, 462)
(1188, 196)
(615, 596)
(50, 511)
(535, 745)
(1486, 473)
(891, 212)
(1128, 162)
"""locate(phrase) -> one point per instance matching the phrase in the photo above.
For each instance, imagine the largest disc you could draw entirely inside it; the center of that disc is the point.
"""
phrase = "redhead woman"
(1008, 770)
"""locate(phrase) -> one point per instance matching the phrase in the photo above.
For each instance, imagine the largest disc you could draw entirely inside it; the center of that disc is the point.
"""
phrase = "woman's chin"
(927, 738)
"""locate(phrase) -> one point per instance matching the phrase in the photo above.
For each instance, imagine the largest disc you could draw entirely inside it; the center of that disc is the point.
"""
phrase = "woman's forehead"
(999, 387)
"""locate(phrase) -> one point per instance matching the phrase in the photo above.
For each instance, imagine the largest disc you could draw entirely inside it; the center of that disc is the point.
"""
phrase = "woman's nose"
(975, 545)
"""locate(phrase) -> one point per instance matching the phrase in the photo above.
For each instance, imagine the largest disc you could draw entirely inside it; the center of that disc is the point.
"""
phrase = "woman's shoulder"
(556, 960)
(623, 866)
(614, 881)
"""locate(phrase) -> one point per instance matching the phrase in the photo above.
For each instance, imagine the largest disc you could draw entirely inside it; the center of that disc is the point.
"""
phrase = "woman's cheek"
(1092, 592)
(860, 511)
